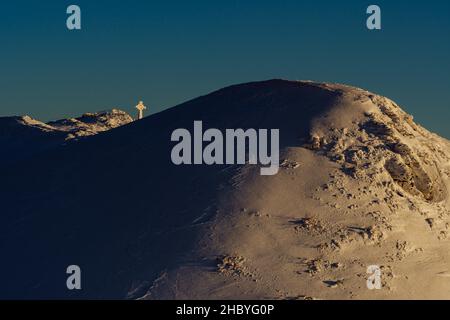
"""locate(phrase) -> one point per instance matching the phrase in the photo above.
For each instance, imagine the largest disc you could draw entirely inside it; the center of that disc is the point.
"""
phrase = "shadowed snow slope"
(23, 136)
(360, 184)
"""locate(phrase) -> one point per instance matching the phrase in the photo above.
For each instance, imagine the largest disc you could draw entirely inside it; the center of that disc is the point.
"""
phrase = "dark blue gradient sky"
(166, 52)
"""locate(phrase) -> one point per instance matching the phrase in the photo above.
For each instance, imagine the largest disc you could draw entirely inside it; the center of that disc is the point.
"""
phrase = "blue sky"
(166, 52)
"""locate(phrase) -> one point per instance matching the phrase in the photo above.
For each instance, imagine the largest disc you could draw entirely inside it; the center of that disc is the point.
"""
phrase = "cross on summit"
(141, 107)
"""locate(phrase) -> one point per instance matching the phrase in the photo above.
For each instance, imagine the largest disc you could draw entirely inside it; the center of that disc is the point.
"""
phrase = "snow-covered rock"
(92, 123)
(23, 136)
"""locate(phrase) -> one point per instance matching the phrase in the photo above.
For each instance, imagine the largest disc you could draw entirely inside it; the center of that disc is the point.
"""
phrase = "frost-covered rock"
(92, 123)
(23, 136)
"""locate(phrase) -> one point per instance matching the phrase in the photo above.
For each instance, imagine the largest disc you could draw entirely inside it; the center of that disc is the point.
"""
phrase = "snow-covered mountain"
(360, 184)
(23, 136)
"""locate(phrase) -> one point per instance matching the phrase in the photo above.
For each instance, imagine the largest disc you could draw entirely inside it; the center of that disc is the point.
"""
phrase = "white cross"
(141, 109)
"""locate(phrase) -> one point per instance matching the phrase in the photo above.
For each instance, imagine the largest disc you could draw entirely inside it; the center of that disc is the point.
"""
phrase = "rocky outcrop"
(23, 136)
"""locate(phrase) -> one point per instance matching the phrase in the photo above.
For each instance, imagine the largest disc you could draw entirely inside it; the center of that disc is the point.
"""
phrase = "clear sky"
(166, 51)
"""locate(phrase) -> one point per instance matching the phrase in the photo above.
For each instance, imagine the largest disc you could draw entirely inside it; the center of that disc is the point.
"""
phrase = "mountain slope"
(360, 184)
(21, 137)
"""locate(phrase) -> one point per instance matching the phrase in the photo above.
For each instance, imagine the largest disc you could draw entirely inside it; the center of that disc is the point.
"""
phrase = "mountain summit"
(360, 185)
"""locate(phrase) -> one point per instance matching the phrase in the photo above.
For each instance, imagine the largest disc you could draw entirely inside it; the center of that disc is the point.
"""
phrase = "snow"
(361, 184)
(23, 136)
